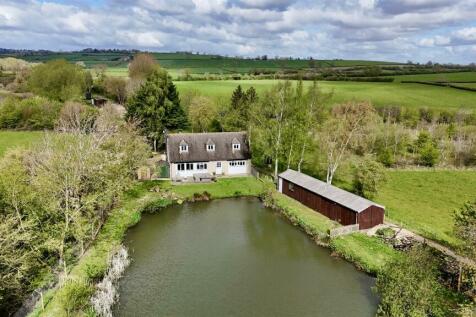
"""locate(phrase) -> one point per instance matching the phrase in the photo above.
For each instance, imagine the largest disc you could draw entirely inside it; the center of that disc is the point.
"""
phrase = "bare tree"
(347, 123)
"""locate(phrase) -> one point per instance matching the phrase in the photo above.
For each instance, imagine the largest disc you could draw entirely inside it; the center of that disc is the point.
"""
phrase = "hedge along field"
(12, 139)
(424, 201)
(448, 77)
(381, 94)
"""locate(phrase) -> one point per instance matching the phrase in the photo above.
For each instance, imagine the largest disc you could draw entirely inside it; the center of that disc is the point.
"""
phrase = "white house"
(217, 154)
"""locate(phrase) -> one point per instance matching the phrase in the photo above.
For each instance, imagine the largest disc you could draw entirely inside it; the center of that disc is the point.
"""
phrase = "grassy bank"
(367, 253)
(381, 94)
(12, 139)
(424, 201)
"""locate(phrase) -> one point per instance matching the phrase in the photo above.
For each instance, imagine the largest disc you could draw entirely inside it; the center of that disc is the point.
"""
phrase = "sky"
(392, 30)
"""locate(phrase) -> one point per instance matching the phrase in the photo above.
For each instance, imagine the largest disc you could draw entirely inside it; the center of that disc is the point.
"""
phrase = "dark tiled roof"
(340, 196)
(197, 147)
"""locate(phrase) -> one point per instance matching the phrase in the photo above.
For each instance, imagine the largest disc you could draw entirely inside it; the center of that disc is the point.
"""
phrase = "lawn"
(381, 94)
(424, 201)
(222, 188)
(12, 139)
(368, 253)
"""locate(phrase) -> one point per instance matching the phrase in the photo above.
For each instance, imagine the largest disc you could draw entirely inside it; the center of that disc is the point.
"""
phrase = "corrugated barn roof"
(340, 196)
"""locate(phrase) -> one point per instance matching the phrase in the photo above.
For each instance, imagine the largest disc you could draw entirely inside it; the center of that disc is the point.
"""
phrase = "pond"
(234, 257)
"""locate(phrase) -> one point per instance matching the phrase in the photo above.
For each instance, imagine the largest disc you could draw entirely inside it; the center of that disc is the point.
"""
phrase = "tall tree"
(58, 80)
(272, 118)
(346, 125)
(142, 66)
(156, 105)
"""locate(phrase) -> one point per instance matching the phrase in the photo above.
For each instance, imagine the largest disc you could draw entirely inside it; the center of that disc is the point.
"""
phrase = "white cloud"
(383, 29)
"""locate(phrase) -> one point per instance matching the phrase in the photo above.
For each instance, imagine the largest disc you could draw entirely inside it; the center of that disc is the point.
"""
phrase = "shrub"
(368, 176)
(34, 113)
(75, 295)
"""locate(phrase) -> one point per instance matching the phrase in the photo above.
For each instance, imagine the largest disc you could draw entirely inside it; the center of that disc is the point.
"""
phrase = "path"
(403, 233)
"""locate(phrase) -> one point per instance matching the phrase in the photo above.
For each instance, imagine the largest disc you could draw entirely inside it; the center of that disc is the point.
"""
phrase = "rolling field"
(12, 139)
(447, 77)
(424, 201)
(381, 94)
(197, 64)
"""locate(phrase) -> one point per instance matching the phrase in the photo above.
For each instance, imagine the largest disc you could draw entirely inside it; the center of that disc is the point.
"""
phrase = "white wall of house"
(228, 168)
(280, 185)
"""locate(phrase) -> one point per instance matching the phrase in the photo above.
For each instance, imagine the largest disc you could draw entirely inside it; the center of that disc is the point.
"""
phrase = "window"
(236, 146)
(237, 163)
(189, 166)
(183, 148)
(181, 166)
(201, 166)
(291, 187)
(211, 147)
(219, 164)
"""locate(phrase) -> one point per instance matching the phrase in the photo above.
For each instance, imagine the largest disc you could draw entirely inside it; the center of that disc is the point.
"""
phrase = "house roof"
(340, 196)
(197, 147)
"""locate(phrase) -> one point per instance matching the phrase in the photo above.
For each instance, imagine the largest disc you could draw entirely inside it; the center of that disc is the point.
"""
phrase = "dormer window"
(183, 147)
(235, 145)
(210, 146)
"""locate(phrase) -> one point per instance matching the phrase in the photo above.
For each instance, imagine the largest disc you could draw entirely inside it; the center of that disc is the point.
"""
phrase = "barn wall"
(320, 204)
(371, 217)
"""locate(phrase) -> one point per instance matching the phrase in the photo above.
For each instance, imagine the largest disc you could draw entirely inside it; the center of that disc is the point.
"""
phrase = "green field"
(424, 201)
(12, 139)
(381, 94)
(197, 64)
(447, 77)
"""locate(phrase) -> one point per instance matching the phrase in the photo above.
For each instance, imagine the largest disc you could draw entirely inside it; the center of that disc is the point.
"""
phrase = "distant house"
(333, 202)
(217, 154)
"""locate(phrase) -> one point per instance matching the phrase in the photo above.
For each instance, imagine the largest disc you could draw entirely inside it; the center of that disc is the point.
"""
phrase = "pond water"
(234, 257)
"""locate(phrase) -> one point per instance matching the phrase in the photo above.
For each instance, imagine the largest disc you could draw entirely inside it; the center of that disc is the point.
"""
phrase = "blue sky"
(398, 30)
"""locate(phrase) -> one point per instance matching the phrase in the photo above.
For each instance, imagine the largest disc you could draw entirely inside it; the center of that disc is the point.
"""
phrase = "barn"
(333, 202)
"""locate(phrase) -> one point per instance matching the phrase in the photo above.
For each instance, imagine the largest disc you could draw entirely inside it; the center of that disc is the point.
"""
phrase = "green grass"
(448, 77)
(18, 139)
(381, 94)
(467, 85)
(424, 201)
(367, 253)
(312, 222)
(222, 188)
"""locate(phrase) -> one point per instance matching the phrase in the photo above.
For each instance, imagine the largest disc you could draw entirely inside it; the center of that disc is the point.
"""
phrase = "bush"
(368, 176)
(75, 295)
(34, 113)
(58, 80)
(408, 286)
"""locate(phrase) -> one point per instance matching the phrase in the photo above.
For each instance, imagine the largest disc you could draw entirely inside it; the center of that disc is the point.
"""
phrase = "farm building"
(335, 203)
(214, 154)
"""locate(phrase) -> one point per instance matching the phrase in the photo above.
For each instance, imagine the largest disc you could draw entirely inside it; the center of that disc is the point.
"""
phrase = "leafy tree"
(426, 149)
(465, 228)
(273, 118)
(58, 80)
(142, 66)
(117, 88)
(409, 287)
(202, 114)
(156, 105)
(237, 115)
(347, 124)
(369, 175)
